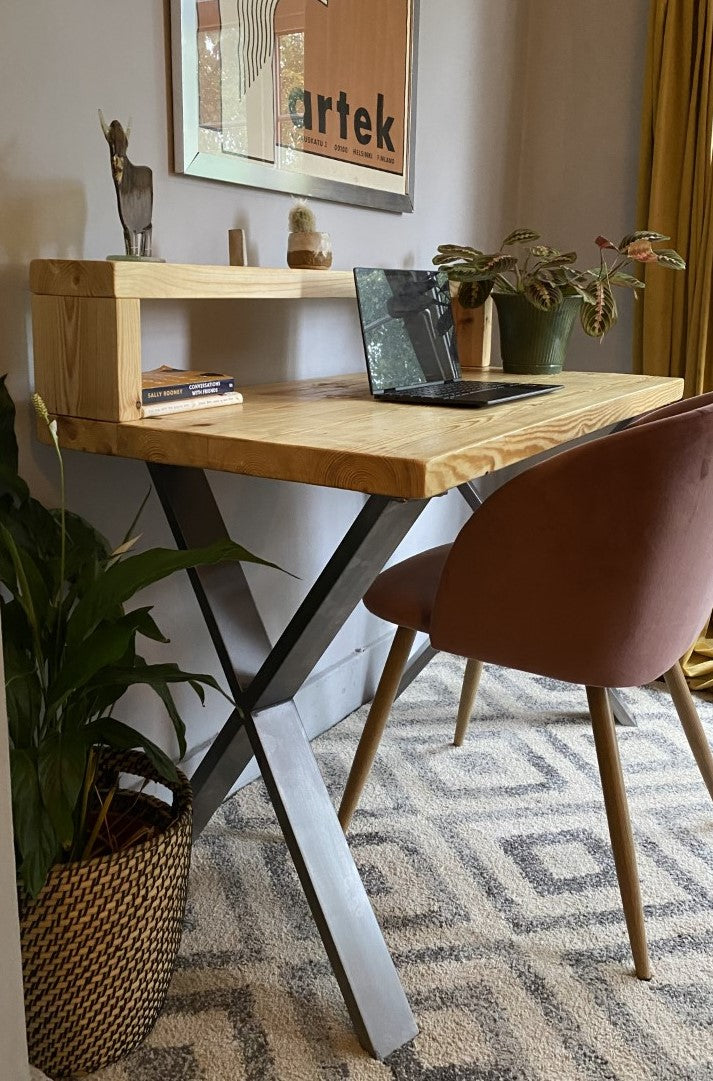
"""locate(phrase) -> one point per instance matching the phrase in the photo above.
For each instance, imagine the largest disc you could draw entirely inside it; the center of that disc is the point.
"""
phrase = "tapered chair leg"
(622, 838)
(375, 723)
(471, 679)
(691, 722)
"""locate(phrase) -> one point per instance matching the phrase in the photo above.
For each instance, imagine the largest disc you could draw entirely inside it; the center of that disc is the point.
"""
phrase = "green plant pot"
(533, 342)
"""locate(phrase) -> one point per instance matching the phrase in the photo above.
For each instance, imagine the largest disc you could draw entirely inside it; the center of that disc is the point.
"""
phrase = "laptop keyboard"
(459, 388)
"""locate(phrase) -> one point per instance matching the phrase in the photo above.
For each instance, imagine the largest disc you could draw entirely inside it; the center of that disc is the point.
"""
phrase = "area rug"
(490, 871)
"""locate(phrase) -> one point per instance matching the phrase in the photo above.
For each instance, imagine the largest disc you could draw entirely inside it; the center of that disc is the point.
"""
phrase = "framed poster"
(312, 97)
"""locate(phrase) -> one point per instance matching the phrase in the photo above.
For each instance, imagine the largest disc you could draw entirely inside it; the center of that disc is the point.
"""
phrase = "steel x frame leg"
(263, 680)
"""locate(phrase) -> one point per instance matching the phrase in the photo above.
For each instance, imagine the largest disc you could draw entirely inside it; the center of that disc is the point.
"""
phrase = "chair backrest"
(673, 409)
(595, 566)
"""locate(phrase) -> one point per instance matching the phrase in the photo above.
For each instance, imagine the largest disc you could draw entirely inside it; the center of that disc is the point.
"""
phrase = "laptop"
(410, 344)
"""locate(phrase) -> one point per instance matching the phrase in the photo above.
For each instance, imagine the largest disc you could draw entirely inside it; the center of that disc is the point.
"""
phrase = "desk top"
(330, 432)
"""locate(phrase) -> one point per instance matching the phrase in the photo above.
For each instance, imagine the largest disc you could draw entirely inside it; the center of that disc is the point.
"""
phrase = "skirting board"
(324, 700)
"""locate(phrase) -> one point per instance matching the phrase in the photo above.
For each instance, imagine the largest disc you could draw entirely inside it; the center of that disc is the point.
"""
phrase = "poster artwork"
(316, 87)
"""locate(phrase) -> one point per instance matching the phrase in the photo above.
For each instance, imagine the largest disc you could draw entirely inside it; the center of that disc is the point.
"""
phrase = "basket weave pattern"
(100, 941)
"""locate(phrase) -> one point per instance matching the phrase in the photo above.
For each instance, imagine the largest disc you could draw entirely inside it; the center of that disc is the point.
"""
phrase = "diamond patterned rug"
(490, 871)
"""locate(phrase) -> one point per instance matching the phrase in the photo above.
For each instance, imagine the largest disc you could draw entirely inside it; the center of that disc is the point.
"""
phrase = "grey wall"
(526, 114)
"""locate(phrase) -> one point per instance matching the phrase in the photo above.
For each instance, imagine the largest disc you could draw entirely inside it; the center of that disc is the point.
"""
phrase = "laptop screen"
(407, 326)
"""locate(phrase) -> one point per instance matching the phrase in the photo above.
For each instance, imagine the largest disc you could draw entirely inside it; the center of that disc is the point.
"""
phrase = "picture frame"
(312, 97)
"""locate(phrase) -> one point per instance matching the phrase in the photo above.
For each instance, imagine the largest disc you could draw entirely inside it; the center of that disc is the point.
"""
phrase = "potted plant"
(307, 249)
(538, 291)
(102, 868)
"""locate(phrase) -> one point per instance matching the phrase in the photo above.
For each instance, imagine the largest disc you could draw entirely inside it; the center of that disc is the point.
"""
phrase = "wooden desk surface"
(330, 432)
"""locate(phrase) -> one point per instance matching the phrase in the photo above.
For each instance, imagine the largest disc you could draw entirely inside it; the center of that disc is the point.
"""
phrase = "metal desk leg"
(263, 681)
(619, 710)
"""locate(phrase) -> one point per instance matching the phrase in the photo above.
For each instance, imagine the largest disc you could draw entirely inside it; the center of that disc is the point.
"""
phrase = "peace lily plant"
(70, 653)
(546, 276)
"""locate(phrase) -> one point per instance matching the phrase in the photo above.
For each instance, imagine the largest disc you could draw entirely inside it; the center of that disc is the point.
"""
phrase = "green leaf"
(544, 295)
(641, 234)
(11, 484)
(30, 588)
(159, 673)
(627, 280)
(124, 579)
(8, 442)
(473, 294)
(544, 251)
(601, 315)
(163, 691)
(23, 693)
(460, 250)
(62, 761)
(520, 236)
(122, 737)
(669, 258)
(35, 837)
(106, 645)
(559, 260)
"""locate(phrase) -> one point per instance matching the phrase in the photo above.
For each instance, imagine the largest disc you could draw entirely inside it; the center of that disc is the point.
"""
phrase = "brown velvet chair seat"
(594, 567)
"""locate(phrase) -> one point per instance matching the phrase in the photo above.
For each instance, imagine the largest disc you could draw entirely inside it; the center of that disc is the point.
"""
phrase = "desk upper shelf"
(182, 281)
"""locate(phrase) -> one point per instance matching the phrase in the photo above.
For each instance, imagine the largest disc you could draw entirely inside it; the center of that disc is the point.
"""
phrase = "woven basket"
(100, 940)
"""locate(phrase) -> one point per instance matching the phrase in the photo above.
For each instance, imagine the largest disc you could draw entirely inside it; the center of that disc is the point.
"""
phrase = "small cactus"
(302, 219)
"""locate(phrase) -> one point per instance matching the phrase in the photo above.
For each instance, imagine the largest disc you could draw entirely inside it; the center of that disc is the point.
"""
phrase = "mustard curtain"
(673, 335)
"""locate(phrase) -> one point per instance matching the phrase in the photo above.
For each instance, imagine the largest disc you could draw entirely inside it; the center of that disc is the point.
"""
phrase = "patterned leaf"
(543, 294)
(561, 259)
(641, 234)
(599, 316)
(458, 249)
(543, 251)
(628, 280)
(473, 294)
(669, 258)
(520, 236)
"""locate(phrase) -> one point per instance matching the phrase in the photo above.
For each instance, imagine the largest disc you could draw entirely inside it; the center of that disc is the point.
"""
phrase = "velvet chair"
(594, 567)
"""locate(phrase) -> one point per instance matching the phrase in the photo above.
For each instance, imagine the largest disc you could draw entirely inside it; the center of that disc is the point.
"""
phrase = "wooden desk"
(329, 432)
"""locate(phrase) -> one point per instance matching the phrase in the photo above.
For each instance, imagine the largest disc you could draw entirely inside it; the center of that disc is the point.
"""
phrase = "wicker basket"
(100, 940)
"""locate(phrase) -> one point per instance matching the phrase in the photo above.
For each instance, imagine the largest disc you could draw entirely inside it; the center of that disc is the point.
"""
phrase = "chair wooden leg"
(691, 722)
(471, 679)
(622, 839)
(375, 723)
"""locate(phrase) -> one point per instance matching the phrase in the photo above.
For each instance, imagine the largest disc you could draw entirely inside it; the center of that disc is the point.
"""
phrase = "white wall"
(580, 140)
(515, 118)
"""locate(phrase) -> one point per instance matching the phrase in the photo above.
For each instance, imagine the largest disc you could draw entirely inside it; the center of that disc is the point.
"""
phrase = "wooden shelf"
(86, 318)
(183, 281)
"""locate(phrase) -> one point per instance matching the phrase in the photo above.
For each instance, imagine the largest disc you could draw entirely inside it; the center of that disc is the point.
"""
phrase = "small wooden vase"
(309, 251)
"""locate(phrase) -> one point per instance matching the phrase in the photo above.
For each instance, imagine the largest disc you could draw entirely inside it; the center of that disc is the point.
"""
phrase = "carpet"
(490, 871)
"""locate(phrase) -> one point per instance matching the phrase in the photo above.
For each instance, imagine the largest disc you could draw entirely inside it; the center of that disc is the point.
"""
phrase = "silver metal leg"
(263, 680)
(621, 713)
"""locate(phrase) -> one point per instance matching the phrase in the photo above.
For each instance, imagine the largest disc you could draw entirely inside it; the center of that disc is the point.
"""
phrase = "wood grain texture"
(330, 432)
(178, 281)
(88, 356)
(474, 331)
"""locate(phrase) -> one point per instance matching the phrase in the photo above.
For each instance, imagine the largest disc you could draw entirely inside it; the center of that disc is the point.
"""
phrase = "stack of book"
(172, 390)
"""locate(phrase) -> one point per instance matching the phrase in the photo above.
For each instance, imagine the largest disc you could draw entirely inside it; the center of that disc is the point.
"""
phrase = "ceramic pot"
(309, 251)
(534, 342)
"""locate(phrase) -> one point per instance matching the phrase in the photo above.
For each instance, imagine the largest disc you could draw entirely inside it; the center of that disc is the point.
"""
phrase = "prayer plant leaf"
(601, 315)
